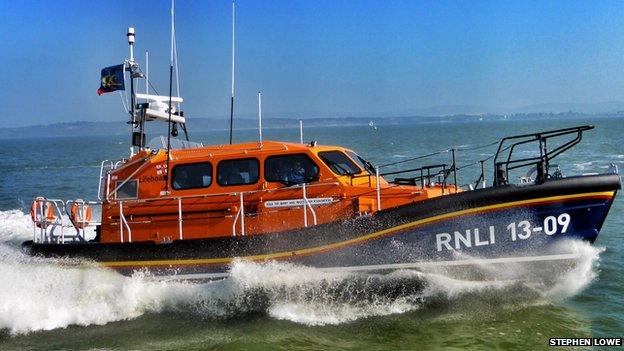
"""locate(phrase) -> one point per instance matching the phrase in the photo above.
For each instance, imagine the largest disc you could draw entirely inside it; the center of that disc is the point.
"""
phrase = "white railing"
(306, 204)
(180, 235)
(47, 224)
(84, 219)
(122, 222)
(238, 222)
(46, 227)
(52, 215)
(378, 188)
(108, 165)
(239, 214)
(128, 178)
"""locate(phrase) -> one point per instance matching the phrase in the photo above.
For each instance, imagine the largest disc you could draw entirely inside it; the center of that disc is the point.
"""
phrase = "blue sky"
(313, 58)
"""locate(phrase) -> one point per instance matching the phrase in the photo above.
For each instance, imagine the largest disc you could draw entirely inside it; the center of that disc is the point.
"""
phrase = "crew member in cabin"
(183, 180)
(297, 174)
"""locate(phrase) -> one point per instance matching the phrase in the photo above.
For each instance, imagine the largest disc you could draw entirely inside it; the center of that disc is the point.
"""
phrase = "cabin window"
(339, 163)
(362, 162)
(192, 176)
(129, 189)
(290, 169)
(238, 172)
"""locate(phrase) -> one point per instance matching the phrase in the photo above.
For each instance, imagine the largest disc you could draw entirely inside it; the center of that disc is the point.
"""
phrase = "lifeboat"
(184, 210)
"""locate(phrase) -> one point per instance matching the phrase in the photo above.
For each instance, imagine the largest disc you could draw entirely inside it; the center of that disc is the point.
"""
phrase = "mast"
(176, 66)
(164, 108)
(232, 96)
(138, 137)
(142, 111)
(131, 69)
(170, 97)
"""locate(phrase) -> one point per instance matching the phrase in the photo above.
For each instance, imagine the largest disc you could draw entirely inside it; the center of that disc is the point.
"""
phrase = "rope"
(415, 158)
(468, 148)
(149, 82)
(477, 147)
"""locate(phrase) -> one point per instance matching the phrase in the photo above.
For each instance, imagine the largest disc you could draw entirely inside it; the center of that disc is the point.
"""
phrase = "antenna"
(232, 96)
(131, 69)
(170, 93)
(146, 72)
(260, 116)
(130, 36)
(301, 131)
(176, 66)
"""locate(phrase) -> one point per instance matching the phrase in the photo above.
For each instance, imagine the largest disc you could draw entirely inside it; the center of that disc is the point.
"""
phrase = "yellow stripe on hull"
(329, 247)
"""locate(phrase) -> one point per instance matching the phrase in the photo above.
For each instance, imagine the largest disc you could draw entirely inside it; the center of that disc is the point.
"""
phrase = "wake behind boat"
(181, 209)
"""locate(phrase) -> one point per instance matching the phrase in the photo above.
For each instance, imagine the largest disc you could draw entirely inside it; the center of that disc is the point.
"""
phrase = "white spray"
(38, 294)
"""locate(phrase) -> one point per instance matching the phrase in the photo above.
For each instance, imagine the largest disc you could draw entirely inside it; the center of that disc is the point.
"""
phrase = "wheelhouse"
(240, 190)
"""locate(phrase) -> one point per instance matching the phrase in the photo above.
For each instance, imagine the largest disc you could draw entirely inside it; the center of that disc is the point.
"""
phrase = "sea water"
(271, 306)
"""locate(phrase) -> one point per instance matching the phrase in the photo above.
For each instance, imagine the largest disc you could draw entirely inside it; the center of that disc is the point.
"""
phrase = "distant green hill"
(83, 128)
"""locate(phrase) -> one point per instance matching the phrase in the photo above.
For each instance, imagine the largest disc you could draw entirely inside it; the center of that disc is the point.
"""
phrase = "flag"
(112, 79)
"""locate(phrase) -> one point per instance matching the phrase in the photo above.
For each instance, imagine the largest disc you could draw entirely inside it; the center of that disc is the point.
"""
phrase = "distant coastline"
(117, 127)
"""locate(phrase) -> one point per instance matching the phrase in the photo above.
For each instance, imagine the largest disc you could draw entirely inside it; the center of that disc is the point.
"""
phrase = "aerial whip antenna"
(170, 94)
(260, 117)
(146, 72)
(131, 69)
(176, 66)
(232, 96)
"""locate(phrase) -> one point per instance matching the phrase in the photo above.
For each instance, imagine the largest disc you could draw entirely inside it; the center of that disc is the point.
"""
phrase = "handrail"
(59, 218)
(415, 158)
(57, 221)
(122, 219)
(378, 188)
(239, 214)
(110, 166)
(306, 202)
(454, 153)
(415, 169)
(422, 177)
(61, 209)
(242, 212)
(79, 234)
(124, 164)
(180, 235)
(502, 168)
(235, 221)
(248, 192)
(145, 159)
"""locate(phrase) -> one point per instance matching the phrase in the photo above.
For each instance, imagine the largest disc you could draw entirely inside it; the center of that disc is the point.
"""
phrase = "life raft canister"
(80, 214)
(42, 211)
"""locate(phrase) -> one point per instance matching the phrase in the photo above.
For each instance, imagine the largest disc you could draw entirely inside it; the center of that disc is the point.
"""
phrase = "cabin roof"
(240, 150)
(249, 148)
